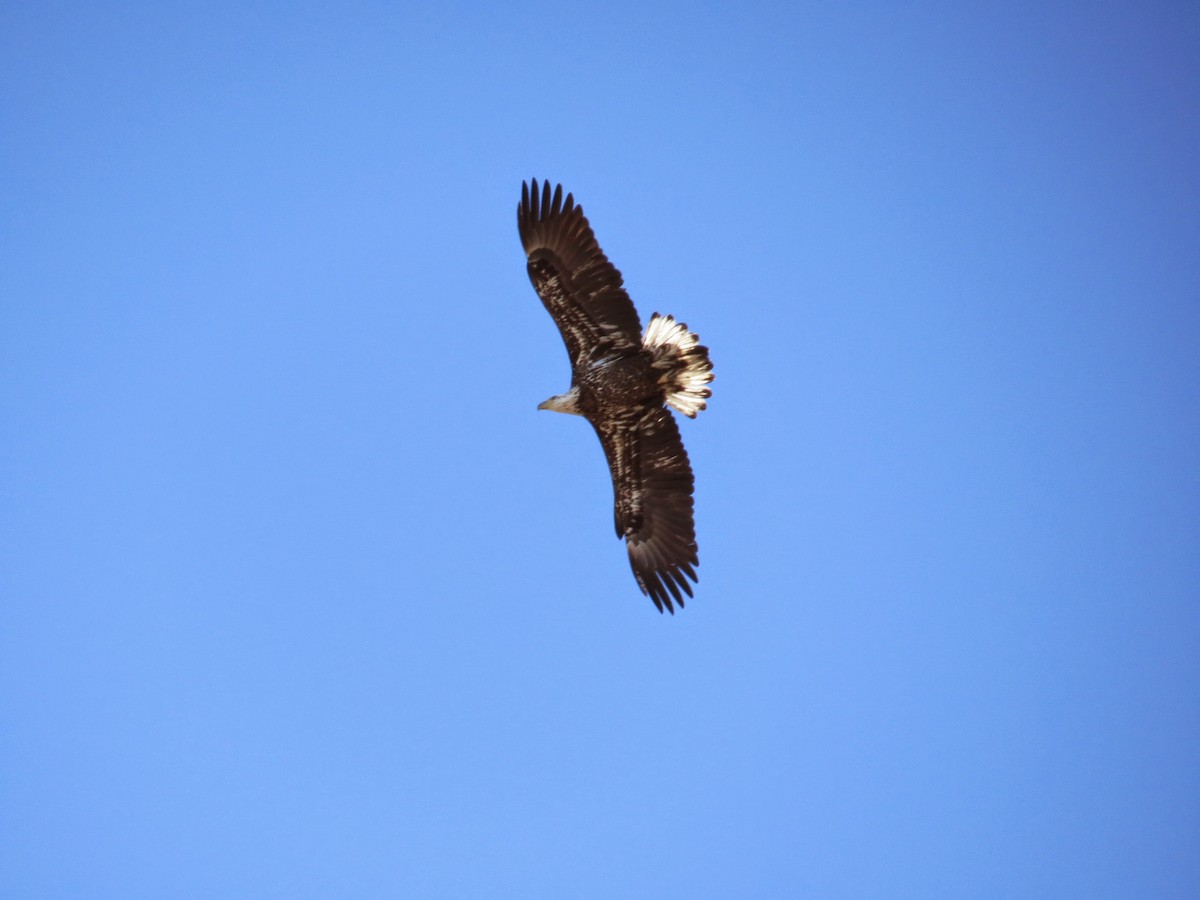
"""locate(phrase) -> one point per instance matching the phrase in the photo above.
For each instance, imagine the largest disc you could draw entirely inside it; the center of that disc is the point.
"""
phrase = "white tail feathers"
(682, 364)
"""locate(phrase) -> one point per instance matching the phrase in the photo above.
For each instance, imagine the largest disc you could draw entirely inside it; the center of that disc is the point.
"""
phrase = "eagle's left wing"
(580, 288)
(652, 491)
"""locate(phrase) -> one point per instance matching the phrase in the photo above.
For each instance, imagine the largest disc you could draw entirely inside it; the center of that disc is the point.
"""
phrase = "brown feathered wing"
(652, 499)
(580, 288)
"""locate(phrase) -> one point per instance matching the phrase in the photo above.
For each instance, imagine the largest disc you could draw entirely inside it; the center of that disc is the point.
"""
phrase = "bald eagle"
(622, 381)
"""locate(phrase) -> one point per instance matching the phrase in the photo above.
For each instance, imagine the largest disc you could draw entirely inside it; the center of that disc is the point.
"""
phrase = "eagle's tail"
(681, 362)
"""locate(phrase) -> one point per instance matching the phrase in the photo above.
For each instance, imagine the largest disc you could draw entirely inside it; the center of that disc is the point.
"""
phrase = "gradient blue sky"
(301, 597)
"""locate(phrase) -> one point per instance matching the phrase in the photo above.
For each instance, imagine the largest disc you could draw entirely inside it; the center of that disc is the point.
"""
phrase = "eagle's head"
(564, 403)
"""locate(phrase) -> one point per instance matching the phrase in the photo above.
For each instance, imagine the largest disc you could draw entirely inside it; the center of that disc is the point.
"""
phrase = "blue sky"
(300, 596)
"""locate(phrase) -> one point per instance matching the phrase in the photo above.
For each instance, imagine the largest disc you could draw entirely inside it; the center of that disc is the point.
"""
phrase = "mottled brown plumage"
(621, 382)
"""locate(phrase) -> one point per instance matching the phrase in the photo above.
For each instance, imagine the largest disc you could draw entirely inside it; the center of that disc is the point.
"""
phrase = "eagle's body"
(612, 385)
(622, 381)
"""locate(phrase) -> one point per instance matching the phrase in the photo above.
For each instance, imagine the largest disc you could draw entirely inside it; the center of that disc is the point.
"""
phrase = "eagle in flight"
(622, 381)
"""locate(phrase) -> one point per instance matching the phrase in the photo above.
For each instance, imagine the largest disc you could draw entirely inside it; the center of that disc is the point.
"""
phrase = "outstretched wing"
(652, 489)
(578, 285)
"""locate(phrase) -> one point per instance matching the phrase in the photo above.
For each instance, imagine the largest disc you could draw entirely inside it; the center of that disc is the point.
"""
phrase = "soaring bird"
(622, 381)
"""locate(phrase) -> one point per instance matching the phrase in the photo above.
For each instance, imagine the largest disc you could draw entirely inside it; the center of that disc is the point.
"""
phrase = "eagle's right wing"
(580, 288)
(652, 490)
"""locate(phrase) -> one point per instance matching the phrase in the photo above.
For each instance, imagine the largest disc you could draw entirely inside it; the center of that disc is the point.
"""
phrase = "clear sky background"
(300, 596)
